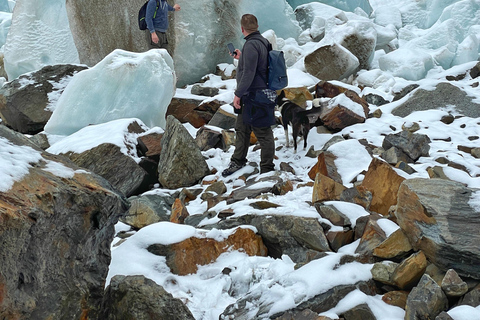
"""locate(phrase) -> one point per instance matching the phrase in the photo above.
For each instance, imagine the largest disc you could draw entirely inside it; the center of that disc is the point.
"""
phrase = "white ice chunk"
(386, 15)
(408, 64)
(5, 22)
(39, 36)
(4, 6)
(123, 85)
(467, 50)
(350, 5)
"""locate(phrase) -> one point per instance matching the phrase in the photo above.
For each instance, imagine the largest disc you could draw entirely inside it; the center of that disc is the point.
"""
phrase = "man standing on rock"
(157, 23)
(254, 103)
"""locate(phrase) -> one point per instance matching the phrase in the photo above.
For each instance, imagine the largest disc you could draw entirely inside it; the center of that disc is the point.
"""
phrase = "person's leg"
(162, 40)
(267, 144)
(242, 141)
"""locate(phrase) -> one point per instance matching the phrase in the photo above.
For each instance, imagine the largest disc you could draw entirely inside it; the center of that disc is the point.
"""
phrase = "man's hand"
(237, 54)
(154, 37)
(176, 7)
(236, 102)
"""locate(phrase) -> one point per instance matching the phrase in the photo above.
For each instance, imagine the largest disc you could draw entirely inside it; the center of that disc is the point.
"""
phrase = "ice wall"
(123, 85)
(202, 29)
(348, 5)
(39, 36)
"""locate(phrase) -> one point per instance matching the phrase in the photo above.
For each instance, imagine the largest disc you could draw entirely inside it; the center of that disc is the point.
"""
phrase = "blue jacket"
(157, 21)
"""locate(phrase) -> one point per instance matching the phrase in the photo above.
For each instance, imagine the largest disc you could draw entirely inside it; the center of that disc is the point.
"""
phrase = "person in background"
(253, 102)
(157, 23)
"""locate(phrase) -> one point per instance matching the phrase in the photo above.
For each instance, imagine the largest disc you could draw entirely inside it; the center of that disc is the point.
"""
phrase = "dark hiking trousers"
(242, 142)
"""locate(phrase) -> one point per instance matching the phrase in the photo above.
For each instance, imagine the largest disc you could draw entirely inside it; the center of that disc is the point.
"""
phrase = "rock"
(332, 214)
(326, 189)
(250, 191)
(27, 102)
(179, 212)
(383, 182)
(208, 138)
(294, 236)
(372, 237)
(184, 257)
(329, 299)
(193, 111)
(358, 195)
(475, 71)
(339, 115)
(383, 272)
(426, 300)
(360, 38)
(299, 95)
(395, 246)
(137, 297)
(41, 140)
(286, 167)
(404, 91)
(83, 17)
(325, 89)
(326, 166)
(338, 239)
(218, 187)
(472, 298)
(443, 316)
(359, 312)
(55, 230)
(453, 285)
(375, 99)
(147, 209)
(410, 270)
(444, 228)
(394, 155)
(204, 91)
(282, 187)
(331, 62)
(223, 119)
(444, 94)
(396, 298)
(153, 142)
(412, 144)
(181, 163)
(302, 315)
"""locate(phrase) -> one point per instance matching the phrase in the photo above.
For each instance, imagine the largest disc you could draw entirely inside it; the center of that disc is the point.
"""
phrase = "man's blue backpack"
(277, 69)
(142, 23)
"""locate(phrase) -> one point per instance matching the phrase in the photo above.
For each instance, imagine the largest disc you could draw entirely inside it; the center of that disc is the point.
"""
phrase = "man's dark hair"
(249, 23)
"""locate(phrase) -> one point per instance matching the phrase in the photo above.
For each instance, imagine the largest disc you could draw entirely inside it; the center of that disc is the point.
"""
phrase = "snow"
(435, 38)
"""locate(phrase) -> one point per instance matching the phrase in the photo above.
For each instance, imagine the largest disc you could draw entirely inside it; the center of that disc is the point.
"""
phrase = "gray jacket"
(252, 65)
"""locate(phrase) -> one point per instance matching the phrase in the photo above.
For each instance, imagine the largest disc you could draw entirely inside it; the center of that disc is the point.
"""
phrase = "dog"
(299, 118)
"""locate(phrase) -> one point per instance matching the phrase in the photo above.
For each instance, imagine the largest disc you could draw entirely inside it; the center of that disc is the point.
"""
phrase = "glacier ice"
(386, 15)
(349, 5)
(5, 22)
(203, 28)
(39, 36)
(123, 85)
(410, 64)
(467, 50)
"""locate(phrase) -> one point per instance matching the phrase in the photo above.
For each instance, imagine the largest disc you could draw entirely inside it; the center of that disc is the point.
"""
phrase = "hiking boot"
(233, 167)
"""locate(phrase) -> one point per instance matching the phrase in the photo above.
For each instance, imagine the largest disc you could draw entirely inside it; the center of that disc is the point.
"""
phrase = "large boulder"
(118, 28)
(27, 102)
(184, 257)
(56, 226)
(331, 62)
(181, 162)
(445, 94)
(438, 218)
(137, 297)
(296, 237)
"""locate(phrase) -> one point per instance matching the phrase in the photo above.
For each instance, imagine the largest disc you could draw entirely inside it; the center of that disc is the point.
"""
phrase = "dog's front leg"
(286, 138)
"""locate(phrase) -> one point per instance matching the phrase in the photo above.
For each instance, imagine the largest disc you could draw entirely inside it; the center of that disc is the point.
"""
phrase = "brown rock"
(338, 239)
(326, 189)
(193, 111)
(298, 96)
(372, 237)
(337, 117)
(153, 143)
(326, 166)
(396, 245)
(325, 89)
(383, 182)
(183, 257)
(453, 285)
(179, 212)
(396, 298)
(410, 270)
